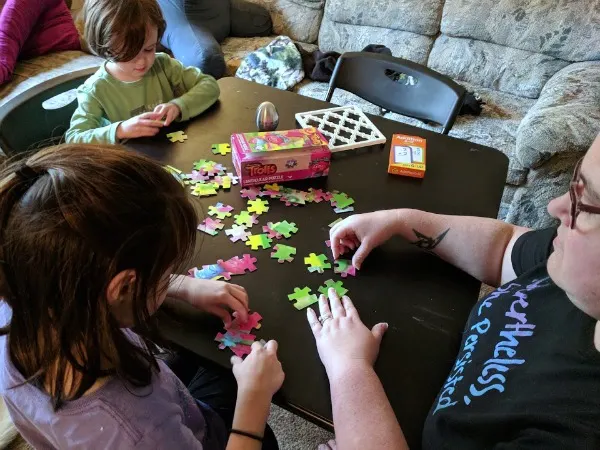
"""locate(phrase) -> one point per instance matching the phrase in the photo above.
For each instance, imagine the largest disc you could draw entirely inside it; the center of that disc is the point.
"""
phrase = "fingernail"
(386, 325)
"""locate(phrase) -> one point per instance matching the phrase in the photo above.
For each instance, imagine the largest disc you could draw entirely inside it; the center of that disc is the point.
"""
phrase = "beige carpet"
(295, 433)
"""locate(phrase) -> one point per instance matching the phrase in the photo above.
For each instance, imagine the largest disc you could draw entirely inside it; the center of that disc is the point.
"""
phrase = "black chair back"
(400, 86)
(26, 124)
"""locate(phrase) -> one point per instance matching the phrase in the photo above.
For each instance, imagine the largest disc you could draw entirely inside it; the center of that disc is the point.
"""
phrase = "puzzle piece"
(177, 136)
(317, 263)
(258, 240)
(196, 176)
(272, 190)
(293, 197)
(205, 189)
(220, 210)
(221, 149)
(341, 200)
(234, 178)
(237, 265)
(223, 181)
(285, 228)
(248, 325)
(250, 193)
(258, 206)
(335, 222)
(303, 298)
(328, 243)
(237, 233)
(246, 219)
(343, 210)
(344, 267)
(209, 168)
(211, 226)
(273, 234)
(209, 272)
(317, 195)
(337, 285)
(239, 343)
(283, 253)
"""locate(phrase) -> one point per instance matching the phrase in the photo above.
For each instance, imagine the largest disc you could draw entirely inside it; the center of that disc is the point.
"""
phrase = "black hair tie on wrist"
(246, 434)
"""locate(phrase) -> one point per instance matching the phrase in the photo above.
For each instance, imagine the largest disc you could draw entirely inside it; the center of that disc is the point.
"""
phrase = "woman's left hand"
(215, 297)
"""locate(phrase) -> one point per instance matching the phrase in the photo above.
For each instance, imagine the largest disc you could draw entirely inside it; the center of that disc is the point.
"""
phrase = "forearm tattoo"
(426, 242)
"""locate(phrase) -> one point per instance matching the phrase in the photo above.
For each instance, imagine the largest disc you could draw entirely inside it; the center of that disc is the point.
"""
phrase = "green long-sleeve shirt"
(104, 101)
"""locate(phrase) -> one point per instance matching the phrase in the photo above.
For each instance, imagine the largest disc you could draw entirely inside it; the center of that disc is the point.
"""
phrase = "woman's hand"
(168, 111)
(260, 374)
(363, 232)
(342, 339)
(146, 124)
(215, 297)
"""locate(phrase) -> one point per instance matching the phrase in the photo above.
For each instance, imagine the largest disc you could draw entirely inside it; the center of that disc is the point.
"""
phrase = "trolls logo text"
(258, 170)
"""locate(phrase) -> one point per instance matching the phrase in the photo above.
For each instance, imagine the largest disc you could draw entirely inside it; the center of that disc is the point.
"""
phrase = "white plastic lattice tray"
(345, 127)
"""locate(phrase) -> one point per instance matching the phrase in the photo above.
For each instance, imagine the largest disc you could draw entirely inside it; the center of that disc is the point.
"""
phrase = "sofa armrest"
(566, 117)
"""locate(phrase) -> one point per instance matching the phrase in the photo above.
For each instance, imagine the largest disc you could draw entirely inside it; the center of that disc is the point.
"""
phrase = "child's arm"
(200, 91)
(88, 123)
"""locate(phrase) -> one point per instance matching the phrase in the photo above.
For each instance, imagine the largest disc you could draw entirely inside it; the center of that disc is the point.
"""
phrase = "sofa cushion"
(408, 27)
(562, 29)
(416, 16)
(566, 117)
(298, 19)
(496, 126)
(506, 69)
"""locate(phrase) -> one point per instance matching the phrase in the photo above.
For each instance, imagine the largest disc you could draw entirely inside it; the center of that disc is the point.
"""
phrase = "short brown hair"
(116, 29)
(81, 215)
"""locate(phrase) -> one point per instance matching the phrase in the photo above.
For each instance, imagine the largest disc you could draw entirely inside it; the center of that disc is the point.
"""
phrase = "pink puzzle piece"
(241, 350)
(248, 325)
(237, 265)
(251, 193)
(318, 195)
(270, 232)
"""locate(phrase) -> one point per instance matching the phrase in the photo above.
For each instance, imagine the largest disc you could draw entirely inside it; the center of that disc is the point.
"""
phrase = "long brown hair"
(116, 29)
(71, 218)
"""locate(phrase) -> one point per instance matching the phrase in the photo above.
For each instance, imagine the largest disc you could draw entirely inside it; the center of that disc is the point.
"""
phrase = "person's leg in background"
(249, 19)
(194, 28)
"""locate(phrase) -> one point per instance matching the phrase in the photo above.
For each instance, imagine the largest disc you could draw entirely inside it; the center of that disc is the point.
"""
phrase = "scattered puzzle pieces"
(220, 210)
(205, 189)
(211, 226)
(283, 253)
(303, 298)
(177, 136)
(317, 263)
(246, 219)
(337, 285)
(221, 149)
(250, 193)
(237, 233)
(258, 240)
(272, 190)
(317, 195)
(285, 228)
(272, 233)
(344, 267)
(258, 206)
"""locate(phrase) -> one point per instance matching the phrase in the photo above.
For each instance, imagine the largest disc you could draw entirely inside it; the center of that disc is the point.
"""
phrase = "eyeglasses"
(576, 188)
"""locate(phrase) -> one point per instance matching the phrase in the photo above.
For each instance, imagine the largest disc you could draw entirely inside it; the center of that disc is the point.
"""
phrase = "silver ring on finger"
(325, 317)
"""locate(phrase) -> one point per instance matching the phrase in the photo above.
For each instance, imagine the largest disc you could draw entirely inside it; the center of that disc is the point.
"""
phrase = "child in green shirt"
(136, 91)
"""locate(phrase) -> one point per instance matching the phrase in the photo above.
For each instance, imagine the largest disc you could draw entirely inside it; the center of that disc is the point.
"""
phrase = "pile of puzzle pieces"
(237, 337)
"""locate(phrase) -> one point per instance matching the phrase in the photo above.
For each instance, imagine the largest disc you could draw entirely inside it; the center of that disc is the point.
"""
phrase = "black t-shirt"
(527, 373)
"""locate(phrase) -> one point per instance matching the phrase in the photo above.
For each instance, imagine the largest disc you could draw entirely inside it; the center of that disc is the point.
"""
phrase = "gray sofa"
(535, 63)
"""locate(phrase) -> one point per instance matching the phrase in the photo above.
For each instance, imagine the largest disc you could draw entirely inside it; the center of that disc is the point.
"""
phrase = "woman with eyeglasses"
(527, 374)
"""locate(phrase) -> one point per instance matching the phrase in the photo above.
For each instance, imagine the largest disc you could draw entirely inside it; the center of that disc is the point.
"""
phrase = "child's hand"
(260, 373)
(168, 111)
(146, 124)
(218, 298)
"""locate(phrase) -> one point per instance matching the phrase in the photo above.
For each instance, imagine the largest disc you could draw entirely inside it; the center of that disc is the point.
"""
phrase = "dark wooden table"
(425, 301)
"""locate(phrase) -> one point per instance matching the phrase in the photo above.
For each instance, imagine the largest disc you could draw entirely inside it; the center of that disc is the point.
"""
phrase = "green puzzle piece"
(286, 228)
(283, 253)
(258, 206)
(258, 240)
(342, 200)
(245, 218)
(303, 298)
(337, 285)
(317, 263)
(221, 149)
(204, 190)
